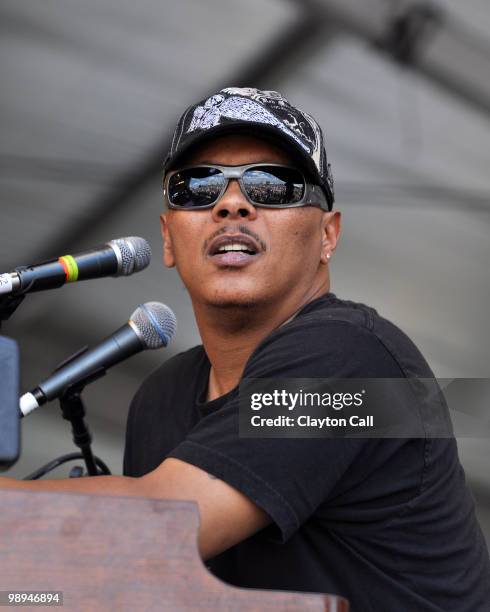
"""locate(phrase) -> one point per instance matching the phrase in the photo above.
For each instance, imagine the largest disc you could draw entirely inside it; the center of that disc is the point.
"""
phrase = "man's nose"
(233, 204)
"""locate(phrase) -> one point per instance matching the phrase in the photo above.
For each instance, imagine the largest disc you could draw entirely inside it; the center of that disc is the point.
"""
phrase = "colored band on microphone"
(70, 267)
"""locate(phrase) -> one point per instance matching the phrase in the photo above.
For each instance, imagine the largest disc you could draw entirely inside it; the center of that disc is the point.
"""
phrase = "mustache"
(230, 229)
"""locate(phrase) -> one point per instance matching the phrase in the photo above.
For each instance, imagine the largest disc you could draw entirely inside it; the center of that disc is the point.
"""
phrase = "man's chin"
(233, 295)
(230, 303)
(233, 298)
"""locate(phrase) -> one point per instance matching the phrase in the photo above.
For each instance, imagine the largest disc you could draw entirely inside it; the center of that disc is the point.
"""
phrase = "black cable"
(51, 465)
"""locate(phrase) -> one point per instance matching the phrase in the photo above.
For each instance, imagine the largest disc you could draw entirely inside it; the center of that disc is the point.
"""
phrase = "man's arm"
(227, 516)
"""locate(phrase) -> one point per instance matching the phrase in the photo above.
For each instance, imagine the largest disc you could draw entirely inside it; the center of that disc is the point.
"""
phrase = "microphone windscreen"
(156, 324)
(135, 254)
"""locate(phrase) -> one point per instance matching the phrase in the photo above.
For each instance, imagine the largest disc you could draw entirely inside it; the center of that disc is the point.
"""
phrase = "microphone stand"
(73, 410)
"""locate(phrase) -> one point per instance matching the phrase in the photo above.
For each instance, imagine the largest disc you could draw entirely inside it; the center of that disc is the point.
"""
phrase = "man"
(249, 225)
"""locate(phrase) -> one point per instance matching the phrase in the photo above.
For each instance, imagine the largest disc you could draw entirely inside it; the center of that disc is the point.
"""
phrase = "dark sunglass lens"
(274, 185)
(194, 187)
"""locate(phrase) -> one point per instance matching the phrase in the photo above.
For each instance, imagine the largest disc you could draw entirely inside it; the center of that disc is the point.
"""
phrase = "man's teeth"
(234, 247)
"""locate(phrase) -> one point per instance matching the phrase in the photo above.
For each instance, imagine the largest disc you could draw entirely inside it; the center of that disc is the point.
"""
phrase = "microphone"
(151, 326)
(120, 257)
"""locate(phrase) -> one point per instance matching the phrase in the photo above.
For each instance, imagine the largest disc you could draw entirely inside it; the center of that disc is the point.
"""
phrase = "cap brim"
(259, 130)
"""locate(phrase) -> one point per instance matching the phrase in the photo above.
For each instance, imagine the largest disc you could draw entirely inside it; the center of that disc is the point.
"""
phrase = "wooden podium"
(119, 553)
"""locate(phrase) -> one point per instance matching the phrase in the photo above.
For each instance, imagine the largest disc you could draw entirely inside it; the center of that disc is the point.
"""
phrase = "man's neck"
(230, 335)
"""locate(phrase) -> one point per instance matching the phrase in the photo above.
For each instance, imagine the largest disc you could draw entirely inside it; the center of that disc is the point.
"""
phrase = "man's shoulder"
(357, 315)
(387, 335)
(337, 330)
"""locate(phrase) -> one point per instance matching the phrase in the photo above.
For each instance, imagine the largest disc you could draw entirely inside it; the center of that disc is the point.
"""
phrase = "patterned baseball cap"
(264, 113)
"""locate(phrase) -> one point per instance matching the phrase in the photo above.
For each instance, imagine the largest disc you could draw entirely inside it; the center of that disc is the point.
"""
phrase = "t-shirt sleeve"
(289, 477)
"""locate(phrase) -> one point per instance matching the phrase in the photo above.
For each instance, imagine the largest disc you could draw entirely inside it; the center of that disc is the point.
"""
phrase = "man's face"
(291, 243)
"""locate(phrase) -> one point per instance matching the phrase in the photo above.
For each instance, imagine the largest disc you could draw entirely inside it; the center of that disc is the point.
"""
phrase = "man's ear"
(168, 252)
(330, 234)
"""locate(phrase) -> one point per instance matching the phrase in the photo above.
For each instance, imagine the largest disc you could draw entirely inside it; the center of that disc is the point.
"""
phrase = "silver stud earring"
(328, 255)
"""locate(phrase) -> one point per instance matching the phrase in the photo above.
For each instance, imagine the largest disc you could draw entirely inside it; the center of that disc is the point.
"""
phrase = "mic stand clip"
(73, 410)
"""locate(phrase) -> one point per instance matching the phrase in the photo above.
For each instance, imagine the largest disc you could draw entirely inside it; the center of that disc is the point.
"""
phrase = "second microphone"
(151, 326)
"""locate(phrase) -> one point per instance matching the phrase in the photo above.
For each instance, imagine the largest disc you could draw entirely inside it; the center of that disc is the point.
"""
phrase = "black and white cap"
(265, 113)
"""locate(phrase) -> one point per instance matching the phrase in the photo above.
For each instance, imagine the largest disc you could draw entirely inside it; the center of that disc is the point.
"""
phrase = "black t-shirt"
(387, 523)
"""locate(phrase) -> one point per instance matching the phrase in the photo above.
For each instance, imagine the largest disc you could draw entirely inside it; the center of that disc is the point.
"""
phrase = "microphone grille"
(134, 254)
(156, 324)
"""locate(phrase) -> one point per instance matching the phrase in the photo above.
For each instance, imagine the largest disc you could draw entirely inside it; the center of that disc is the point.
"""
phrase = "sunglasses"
(267, 185)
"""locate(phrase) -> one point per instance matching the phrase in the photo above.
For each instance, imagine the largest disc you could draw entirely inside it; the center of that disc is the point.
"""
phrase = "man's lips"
(234, 259)
(234, 250)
